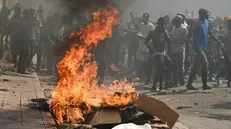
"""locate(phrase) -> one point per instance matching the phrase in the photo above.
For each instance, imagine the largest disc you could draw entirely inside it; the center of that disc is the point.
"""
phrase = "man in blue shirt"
(201, 35)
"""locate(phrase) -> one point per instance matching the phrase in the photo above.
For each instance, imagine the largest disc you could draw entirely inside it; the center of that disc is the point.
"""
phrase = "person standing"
(133, 43)
(48, 39)
(143, 56)
(33, 29)
(200, 39)
(177, 49)
(14, 27)
(227, 46)
(24, 42)
(161, 40)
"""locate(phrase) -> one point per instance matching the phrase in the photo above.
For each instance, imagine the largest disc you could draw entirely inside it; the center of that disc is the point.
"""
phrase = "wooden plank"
(31, 118)
(10, 115)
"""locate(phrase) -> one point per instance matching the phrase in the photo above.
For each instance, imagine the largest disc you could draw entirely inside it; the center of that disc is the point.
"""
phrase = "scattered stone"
(183, 107)
(173, 91)
(5, 80)
(50, 84)
(4, 90)
(195, 103)
(18, 84)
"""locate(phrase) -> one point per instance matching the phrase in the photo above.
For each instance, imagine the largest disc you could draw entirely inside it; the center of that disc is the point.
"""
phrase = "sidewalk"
(17, 94)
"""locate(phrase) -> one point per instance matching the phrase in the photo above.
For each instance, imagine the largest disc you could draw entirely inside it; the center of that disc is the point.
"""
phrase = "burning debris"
(77, 90)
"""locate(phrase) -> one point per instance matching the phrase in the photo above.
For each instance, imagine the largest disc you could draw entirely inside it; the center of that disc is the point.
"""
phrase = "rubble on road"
(5, 66)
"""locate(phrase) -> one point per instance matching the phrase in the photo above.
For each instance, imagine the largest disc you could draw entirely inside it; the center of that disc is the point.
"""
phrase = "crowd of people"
(180, 47)
(171, 48)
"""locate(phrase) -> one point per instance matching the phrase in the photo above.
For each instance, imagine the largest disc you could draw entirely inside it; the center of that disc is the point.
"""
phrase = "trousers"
(178, 67)
(200, 61)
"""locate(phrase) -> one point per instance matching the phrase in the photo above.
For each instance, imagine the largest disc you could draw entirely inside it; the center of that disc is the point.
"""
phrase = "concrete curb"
(47, 117)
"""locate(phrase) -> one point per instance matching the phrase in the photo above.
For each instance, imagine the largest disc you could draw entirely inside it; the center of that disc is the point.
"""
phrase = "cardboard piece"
(106, 117)
(157, 108)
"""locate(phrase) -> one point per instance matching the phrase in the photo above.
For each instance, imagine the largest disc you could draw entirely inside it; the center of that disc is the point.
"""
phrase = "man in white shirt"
(179, 36)
(143, 53)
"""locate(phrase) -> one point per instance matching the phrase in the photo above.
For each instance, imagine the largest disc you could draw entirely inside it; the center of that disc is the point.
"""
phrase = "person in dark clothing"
(132, 45)
(14, 33)
(34, 35)
(200, 37)
(24, 43)
(221, 60)
(39, 48)
(4, 14)
(161, 40)
(100, 57)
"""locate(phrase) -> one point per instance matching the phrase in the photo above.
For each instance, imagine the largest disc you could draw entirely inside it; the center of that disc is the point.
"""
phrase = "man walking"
(200, 39)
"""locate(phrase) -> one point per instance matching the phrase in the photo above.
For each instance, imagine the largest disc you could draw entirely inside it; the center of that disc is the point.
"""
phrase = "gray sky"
(157, 7)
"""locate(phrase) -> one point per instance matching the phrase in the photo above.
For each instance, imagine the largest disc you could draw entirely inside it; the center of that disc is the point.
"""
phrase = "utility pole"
(3, 20)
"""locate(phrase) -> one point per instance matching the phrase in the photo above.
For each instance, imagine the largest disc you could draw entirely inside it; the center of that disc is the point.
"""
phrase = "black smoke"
(76, 5)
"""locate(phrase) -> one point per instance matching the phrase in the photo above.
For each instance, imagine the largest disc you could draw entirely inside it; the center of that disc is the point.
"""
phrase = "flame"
(77, 90)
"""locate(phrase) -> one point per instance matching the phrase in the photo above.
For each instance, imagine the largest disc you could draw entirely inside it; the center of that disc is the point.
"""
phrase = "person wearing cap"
(227, 46)
(160, 40)
(177, 48)
(201, 35)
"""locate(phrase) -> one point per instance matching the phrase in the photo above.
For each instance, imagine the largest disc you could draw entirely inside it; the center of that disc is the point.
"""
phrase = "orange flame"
(77, 90)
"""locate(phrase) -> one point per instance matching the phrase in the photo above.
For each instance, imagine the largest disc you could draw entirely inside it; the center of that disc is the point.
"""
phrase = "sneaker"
(163, 92)
(219, 82)
(206, 88)
(154, 89)
(24, 72)
(191, 88)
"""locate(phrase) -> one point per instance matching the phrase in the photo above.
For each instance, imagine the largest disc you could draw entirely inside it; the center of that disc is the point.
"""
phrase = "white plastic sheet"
(132, 126)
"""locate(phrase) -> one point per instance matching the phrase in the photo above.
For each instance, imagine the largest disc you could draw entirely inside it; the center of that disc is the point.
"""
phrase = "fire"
(77, 92)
